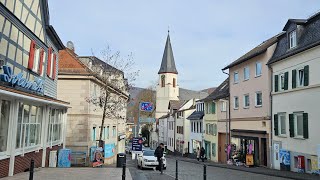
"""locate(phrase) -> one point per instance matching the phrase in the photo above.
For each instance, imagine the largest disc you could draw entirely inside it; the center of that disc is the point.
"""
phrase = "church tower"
(167, 88)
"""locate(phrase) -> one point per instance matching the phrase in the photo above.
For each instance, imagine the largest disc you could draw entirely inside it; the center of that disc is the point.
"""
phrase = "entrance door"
(222, 155)
(276, 155)
(264, 152)
(208, 149)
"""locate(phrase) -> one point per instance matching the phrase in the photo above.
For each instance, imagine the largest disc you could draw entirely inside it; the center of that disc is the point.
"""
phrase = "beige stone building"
(250, 103)
(76, 85)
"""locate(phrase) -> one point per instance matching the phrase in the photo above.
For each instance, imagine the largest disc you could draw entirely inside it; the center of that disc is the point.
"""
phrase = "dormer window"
(292, 39)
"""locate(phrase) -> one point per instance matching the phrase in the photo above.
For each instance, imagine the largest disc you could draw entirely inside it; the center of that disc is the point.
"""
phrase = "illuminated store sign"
(18, 80)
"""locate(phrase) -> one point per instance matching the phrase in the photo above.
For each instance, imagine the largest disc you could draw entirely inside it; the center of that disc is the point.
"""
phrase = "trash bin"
(121, 159)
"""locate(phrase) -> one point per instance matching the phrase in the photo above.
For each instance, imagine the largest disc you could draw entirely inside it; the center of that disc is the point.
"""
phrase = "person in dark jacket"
(202, 154)
(159, 154)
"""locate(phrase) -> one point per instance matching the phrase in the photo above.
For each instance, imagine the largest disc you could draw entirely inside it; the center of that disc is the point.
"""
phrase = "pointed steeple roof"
(168, 65)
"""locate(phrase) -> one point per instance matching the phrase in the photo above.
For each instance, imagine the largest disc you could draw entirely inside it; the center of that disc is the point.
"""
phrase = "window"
(180, 114)
(280, 124)
(211, 129)
(210, 108)
(236, 102)
(52, 63)
(174, 82)
(94, 133)
(35, 62)
(236, 77)
(106, 132)
(114, 131)
(246, 101)
(258, 69)
(55, 126)
(246, 73)
(94, 90)
(201, 127)
(163, 80)
(282, 83)
(300, 77)
(298, 125)
(258, 99)
(223, 106)
(292, 39)
(4, 124)
(29, 126)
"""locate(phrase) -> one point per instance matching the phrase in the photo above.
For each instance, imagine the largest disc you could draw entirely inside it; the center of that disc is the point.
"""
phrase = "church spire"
(168, 65)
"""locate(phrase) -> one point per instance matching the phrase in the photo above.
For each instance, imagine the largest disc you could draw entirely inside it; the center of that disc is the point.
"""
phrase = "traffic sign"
(147, 120)
(146, 106)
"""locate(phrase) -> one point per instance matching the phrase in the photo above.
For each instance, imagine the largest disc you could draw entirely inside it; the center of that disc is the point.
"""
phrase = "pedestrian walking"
(198, 153)
(159, 154)
(202, 154)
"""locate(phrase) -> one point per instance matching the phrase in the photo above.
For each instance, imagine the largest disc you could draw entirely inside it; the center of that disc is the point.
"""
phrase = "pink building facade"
(250, 80)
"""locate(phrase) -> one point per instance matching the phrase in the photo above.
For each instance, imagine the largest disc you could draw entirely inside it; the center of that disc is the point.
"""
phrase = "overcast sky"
(206, 35)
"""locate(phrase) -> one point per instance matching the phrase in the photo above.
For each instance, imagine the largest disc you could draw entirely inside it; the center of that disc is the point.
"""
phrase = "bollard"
(176, 170)
(31, 170)
(204, 172)
(124, 171)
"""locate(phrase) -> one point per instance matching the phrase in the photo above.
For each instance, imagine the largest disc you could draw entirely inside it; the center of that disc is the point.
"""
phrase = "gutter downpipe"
(271, 120)
(229, 114)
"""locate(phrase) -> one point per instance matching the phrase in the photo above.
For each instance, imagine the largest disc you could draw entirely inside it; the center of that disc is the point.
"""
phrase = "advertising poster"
(314, 165)
(285, 160)
(109, 150)
(137, 144)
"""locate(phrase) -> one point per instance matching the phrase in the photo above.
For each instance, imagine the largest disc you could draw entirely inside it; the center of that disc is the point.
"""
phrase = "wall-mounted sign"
(146, 106)
(147, 120)
(18, 80)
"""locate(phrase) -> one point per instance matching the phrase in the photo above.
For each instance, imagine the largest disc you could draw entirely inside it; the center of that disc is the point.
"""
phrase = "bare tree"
(116, 76)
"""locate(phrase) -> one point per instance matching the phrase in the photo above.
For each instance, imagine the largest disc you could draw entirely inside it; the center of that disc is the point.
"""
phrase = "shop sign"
(18, 80)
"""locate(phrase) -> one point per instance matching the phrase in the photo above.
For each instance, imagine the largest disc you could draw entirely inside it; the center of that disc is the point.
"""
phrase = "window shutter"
(276, 125)
(31, 54)
(291, 125)
(286, 80)
(276, 83)
(294, 78)
(54, 66)
(49, 62)
(306, 75)
(305, 126)
(41, 62)
(213, 108)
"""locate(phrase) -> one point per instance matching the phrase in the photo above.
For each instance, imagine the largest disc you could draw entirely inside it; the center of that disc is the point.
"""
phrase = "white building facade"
(196, 128)
(296, 92)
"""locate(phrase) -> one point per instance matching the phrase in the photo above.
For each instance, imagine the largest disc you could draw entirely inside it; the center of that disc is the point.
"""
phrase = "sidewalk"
(256, 170)
(73, 174)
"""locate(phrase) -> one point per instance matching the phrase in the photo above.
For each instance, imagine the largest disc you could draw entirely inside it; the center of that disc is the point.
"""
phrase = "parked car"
(148, 160)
